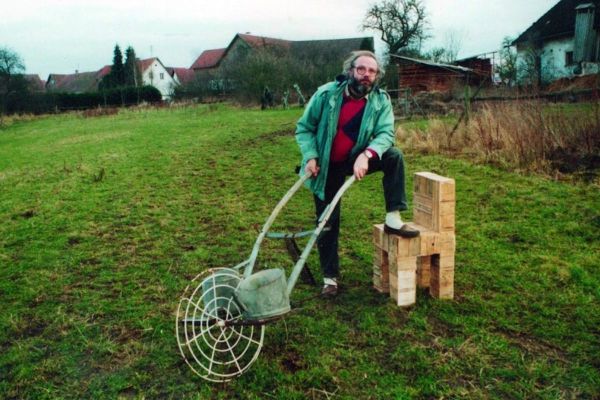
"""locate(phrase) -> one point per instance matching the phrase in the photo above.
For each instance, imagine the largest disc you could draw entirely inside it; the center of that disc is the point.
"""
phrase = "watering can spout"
(263, 294)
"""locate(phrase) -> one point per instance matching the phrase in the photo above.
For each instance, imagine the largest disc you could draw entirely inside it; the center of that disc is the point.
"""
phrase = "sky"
(63, 36)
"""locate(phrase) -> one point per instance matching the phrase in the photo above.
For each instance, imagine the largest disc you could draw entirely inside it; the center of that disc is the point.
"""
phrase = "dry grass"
(526, 135)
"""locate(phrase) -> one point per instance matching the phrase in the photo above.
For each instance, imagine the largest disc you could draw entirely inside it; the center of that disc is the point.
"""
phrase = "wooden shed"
(425, 76)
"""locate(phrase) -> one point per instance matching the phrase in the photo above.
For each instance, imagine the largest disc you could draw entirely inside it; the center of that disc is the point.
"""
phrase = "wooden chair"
(400, 264)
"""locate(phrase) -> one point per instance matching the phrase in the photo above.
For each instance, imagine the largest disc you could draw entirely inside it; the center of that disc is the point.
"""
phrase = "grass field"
(105, 220)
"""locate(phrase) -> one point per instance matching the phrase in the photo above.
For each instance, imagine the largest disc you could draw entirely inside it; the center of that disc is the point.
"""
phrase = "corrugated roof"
(208, 59)
(434, 64)
(559, 21)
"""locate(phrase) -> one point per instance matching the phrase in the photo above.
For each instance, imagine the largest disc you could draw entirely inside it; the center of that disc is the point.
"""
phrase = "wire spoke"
(232, 353)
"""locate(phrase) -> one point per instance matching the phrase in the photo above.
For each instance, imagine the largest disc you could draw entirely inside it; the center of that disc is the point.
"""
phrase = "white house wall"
(157, 76)
(552, 59)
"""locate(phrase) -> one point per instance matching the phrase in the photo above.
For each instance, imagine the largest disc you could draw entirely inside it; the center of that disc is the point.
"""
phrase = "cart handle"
(322, 221)
(252, 260)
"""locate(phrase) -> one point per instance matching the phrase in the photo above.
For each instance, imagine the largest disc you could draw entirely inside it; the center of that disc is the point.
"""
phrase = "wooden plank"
(442, 277)
(447, 223)
(406, 293)
(381, 277)
(435, 242)
(380, 257)
(404, 247)
(394, 286)
(423, 271)
(380, 237)
(433, 199)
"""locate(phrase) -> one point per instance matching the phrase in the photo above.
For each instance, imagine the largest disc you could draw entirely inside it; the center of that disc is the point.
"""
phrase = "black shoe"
(329, 291)
(405, 231)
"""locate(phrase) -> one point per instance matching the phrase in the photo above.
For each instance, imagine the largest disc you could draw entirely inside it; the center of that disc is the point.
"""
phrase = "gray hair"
(349, 62)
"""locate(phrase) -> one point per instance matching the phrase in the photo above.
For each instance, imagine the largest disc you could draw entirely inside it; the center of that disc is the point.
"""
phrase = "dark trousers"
(392, 165)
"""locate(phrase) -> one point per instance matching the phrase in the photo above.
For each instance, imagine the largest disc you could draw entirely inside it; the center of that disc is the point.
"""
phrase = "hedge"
(40, 103)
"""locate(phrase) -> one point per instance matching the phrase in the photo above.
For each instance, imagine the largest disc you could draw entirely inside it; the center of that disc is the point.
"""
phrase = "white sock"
(393, 220)
(330, 281)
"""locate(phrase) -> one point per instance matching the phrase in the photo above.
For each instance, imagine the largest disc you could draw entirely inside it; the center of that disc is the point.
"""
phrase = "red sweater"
(351, 115)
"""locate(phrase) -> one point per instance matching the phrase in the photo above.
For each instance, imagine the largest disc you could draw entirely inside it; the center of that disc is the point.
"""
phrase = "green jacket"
(317, 127)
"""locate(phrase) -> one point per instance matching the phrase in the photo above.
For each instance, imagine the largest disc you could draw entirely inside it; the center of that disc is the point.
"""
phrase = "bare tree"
(11, 66)
(453, 40)
(507, 70)
(402, 24)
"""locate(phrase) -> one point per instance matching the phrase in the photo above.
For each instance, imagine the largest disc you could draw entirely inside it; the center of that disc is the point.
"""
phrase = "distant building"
(427, 76)
(79, 82)
(154, 73)
(564, 42)
(35, 83)
(152, 70)
(211, 62)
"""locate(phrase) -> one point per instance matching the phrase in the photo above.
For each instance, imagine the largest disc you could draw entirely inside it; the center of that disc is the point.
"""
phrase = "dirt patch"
(26, 214)
(576, 83)
(533, 345)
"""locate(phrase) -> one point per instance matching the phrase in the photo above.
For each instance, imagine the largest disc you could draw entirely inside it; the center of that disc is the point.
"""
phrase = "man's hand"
(361, 166)
(312, 167)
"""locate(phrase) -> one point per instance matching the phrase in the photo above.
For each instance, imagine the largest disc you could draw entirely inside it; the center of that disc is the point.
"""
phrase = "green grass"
(105, 220)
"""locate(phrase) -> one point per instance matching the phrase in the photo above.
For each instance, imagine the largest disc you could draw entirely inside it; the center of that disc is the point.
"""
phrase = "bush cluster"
(246, 74)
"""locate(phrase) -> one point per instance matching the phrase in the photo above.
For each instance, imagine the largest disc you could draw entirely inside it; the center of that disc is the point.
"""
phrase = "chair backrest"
(434, 202)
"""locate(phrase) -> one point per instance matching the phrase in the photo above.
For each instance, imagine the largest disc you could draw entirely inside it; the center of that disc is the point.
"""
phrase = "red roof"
(144, 64)
(208, 59)
(184, 75)
(102, 72)
(260, 41)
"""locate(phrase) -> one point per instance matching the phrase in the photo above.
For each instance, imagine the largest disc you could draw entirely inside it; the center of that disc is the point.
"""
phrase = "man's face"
(363, 74)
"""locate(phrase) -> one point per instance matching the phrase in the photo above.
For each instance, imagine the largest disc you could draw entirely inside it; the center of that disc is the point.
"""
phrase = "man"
(348, 128)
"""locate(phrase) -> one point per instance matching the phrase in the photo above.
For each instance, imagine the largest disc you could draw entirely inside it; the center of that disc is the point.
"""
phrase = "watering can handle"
(270, 220)
(322, 222)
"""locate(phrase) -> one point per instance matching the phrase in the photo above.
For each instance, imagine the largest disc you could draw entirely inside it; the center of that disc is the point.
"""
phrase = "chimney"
(585, 36)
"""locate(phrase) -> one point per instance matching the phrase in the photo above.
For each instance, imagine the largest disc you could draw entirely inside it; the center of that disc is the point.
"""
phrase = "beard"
(359, 88)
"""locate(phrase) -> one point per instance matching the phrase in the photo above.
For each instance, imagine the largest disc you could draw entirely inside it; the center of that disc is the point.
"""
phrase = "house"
(241, 44)
(35, 83)
(154, 73)
(79, 82)
(562, 43)
(426, 76)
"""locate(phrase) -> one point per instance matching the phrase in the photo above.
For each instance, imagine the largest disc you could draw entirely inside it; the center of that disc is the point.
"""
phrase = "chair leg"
(442, 276)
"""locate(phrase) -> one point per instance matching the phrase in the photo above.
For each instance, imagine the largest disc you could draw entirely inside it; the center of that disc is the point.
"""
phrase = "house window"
(568, 58)
(162, 75)
(151, 75)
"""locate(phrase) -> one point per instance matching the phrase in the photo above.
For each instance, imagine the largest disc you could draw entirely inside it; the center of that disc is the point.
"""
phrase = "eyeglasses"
(362, 70)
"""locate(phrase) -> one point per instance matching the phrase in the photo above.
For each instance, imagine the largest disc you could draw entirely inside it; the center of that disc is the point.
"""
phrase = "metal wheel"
(210, 342)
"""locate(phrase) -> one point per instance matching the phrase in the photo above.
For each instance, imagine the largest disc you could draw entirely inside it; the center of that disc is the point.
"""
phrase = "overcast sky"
(68, 35)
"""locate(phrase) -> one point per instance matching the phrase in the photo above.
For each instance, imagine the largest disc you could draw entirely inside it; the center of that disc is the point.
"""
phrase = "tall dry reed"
(524, 135)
